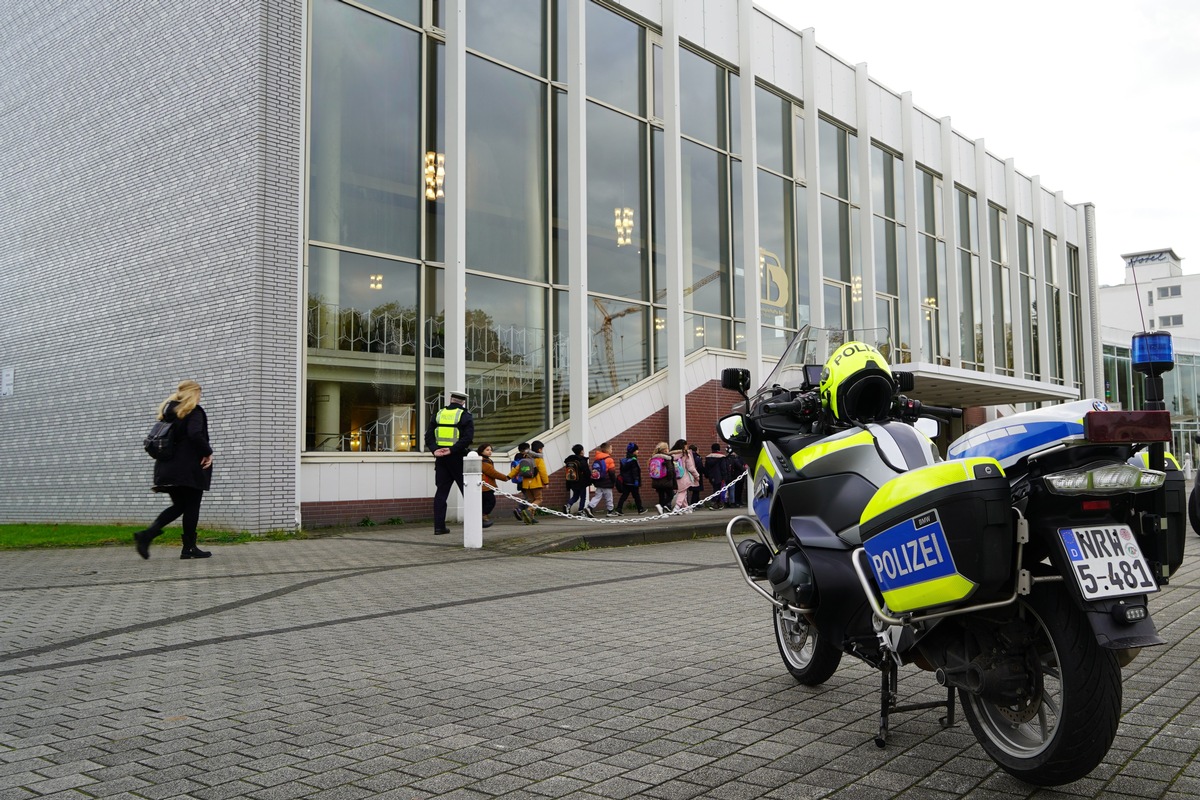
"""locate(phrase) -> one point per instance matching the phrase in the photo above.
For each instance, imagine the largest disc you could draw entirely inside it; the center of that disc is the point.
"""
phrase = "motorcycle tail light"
(1127, 426)
(1109, 479)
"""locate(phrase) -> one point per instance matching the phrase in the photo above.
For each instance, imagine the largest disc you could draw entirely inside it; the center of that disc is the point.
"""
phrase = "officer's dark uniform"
(451, 427)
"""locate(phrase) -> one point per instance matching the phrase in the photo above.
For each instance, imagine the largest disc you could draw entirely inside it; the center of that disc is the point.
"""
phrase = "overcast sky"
(1099, 98)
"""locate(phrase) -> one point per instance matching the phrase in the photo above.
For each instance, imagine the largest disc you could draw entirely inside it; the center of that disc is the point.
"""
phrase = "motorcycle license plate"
(1107, 561)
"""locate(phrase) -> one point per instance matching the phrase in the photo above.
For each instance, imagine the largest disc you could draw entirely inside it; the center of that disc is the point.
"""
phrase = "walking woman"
(187, 475)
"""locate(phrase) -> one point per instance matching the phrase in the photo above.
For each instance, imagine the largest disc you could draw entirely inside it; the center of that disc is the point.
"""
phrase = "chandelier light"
(623, 221)
(435, 175)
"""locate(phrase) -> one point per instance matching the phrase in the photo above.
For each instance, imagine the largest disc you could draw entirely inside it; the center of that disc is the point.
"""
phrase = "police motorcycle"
(1014, 571)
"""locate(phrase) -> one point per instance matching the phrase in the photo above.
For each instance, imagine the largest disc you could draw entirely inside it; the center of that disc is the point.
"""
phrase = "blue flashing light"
(1153, 352)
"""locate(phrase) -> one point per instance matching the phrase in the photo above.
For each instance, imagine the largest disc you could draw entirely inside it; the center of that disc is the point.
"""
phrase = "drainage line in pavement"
(316, 625)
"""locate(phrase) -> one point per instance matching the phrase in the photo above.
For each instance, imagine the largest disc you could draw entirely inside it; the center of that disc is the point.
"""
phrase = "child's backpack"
(659, 467)
(679, 470)
(526, 467)
(599, 469)
(160, 442)
(572, 470)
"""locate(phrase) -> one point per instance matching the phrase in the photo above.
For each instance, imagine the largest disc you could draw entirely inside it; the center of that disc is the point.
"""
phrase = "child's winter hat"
(631, 448)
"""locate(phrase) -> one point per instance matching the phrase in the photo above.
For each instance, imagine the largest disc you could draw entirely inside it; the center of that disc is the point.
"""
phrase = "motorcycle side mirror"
(905, 381)
(735, 379)
(734, 429)
(928, 426)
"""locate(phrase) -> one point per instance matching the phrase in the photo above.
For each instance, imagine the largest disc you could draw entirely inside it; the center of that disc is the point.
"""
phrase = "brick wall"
(151, 192)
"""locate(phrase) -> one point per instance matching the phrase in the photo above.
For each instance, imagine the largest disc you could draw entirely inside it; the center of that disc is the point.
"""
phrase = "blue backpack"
(599, 468)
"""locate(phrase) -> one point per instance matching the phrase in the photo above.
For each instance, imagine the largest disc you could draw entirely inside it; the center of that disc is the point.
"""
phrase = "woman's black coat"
(191, 445)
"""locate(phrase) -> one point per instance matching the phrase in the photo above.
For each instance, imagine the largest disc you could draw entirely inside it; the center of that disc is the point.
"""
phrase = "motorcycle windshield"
(811, 348)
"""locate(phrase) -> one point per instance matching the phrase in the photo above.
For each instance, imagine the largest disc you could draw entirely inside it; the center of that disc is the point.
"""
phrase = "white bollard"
(473, 500)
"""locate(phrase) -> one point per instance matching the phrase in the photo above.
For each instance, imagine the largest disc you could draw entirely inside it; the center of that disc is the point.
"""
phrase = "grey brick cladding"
(149, 209)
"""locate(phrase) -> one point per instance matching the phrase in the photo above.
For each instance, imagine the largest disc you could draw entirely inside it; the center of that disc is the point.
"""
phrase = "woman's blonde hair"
(661, 448)
(187, 394)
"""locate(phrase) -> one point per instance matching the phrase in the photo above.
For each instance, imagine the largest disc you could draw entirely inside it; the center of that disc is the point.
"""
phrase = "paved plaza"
(389, 663)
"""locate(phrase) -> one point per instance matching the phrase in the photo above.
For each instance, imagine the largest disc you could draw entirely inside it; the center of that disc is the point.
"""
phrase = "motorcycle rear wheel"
(1066, 732)
(806, 654)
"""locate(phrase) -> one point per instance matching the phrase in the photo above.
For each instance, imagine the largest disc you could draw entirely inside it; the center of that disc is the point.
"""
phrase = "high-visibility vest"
(445, 434)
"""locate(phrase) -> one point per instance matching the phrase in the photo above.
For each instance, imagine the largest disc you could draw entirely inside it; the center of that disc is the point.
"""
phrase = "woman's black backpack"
(160, 442)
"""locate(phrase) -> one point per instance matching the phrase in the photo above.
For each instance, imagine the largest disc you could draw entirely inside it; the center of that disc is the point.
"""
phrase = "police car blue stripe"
(1025, 437)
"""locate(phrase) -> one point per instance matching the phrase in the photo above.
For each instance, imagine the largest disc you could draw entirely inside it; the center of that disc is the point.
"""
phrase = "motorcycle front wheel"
(806, 654)
(1064, 732)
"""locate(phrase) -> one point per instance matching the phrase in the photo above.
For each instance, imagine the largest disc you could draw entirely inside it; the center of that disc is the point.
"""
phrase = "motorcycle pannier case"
(941, 535)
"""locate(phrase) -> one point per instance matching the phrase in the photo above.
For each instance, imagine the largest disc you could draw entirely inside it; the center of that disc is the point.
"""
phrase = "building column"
(455, 376)
(952, 313)
(812, 179)
(577, 268)
(752, 285)
(987, 303)
(866, 206)
(673, 220)
(913, 278)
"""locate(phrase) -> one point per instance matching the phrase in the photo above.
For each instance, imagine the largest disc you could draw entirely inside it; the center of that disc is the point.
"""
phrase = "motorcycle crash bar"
(737, 559)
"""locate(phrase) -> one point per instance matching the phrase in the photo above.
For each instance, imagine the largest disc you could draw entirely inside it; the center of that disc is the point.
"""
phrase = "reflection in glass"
(735, 115)
(739, 268)
(362, 339)
(365, 190)
(774, 117)
(834, 160)
(616, 57)
(561, 226)
(619, 355)
(658, 222)
(777, 259)
(835, 305)
(435, 212)
(616, 214)
(433, 307)
(560, 360)
(803, 267)
(835, 239)
(507, 350)
(701, 99)
(407, 10)
(702, 331)
(512, 31)
(506, 172)
(658, 80)
(706, 234)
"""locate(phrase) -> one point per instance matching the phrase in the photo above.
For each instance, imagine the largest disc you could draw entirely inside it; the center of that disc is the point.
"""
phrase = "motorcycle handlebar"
(911, 409)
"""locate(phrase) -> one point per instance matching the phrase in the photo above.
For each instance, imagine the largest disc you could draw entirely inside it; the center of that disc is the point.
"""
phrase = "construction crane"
(606, 326)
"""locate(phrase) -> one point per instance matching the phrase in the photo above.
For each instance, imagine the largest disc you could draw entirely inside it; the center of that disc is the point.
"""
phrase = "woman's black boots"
(190, 550)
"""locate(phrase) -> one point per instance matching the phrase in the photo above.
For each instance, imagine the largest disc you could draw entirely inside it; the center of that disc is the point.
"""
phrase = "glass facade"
(970, 312)
(375, 248)
(892, 294)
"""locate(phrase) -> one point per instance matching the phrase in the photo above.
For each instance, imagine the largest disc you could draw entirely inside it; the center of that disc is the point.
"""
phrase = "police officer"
(449, 438)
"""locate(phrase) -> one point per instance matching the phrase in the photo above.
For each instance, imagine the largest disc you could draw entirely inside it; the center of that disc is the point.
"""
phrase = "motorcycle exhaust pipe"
(755, 557)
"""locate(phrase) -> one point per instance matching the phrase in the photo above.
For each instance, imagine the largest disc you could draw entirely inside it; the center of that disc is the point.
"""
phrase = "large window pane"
(365, 190)
(616, 214)
(509, 30)
(362, 336)
(774, 116)
(835, 239)
(777, 260)
(701, 98)
(615, 59)
(803, 267)
(507, 353)
(506, 172)
(705, 230)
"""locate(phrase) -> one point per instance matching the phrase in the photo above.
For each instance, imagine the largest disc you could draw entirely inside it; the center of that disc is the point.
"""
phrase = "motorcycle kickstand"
(887, 702)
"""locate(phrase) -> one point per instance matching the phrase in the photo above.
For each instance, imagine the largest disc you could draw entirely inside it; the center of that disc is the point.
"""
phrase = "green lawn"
(28, 536)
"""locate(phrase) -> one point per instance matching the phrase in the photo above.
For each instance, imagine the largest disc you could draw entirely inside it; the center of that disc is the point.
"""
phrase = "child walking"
(631, 479)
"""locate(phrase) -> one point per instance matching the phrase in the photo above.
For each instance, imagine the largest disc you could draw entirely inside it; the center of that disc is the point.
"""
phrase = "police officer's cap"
(458, 397)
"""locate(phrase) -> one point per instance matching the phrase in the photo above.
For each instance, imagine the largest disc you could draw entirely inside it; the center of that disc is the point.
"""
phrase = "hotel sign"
(1147, 258)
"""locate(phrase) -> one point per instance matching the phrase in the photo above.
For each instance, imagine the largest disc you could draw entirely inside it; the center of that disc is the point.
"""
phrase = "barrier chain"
(624, 520)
